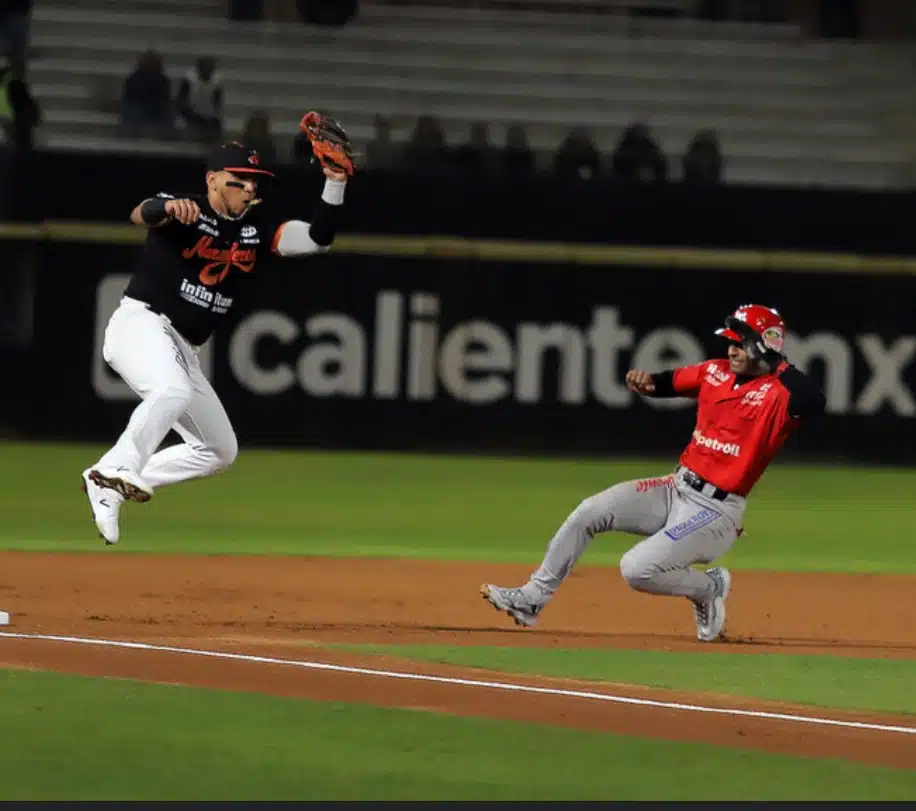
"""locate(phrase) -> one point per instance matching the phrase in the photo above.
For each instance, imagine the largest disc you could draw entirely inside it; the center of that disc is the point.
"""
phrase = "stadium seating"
(787, 110)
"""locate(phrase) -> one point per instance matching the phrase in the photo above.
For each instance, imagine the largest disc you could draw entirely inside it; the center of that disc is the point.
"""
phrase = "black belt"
(694, 482)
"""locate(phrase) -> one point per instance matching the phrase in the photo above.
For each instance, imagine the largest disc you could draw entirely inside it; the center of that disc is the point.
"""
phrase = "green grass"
(450, 508)
(73, 738)
(820, 681)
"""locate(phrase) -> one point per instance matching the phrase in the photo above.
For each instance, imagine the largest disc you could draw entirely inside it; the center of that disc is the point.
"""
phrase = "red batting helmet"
(763, 320)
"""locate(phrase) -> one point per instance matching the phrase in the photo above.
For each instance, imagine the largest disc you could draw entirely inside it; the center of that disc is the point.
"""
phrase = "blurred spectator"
(258, 136)
(200, 101)
(713, 9)
(246, 10)
(765, 11)
(427, 147)
(517, 157)
(761, 11)
(281, 11)
(841, 19)
(477, 154)
(19, 112)
(381, 151)
(702, 162)
(146, 99)
(577, 156)
(14, 27)
(327, 12)
(637, 158)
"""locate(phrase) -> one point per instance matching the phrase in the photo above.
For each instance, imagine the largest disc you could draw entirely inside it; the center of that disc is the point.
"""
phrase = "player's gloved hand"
(185, 211)
(753, 343)
(330, 143)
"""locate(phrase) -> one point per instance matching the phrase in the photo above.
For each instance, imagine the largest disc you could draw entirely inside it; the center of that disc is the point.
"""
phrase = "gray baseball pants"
(684, 527)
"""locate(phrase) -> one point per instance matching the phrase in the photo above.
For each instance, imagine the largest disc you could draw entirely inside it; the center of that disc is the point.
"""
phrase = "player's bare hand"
(334, 174)
(640, 382)
(185, 211)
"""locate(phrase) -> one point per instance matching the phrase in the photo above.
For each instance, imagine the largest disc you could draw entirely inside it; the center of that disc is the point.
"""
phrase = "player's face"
(240, 190)
(233, 192)
(738, 360)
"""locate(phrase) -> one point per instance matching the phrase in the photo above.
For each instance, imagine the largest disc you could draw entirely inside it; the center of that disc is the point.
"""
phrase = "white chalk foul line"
(489, 685)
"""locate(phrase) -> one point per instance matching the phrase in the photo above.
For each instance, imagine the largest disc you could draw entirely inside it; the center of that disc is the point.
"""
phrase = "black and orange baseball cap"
(236, 158)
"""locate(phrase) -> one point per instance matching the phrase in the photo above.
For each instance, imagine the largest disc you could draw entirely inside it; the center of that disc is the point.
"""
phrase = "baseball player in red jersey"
(747, 404)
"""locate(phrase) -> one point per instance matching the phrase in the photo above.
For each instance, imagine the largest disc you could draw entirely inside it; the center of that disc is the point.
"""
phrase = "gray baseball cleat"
(513, 602)
(710, 614)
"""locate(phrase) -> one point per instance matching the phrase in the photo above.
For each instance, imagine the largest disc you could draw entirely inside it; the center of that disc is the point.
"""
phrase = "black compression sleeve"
(805, 397)
(323, 227)
(152, 212)
(664, 384)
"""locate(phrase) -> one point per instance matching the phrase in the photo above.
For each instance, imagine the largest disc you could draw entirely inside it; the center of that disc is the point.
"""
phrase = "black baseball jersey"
(193, 273)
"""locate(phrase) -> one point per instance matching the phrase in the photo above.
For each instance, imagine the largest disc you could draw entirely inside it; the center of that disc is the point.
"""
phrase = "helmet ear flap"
(774, 338)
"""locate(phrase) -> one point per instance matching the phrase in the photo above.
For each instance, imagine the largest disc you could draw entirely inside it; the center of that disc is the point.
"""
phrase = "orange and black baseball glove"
(330, 142)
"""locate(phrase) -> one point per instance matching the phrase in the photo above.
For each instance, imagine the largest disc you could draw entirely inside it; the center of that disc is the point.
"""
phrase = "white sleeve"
(294, 237)
(295, 240)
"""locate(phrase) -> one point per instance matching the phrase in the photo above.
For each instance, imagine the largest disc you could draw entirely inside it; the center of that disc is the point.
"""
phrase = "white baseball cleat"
(710, 614)
(123, 481)
(106, 506)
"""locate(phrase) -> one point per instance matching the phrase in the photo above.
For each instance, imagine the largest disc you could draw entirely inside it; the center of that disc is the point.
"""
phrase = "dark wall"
(394, 352)
(107, 187)
(424, 352)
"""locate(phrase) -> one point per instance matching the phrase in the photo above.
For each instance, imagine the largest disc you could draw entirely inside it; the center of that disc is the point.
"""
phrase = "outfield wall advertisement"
(351, 350)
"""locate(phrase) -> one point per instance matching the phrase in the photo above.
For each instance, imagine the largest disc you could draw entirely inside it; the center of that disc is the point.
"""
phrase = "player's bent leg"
(658, 566)
(209, 446)
(121, 467)
(663, 564)
(639, 506)
(187, 460)
(154, 361)
(141, 347)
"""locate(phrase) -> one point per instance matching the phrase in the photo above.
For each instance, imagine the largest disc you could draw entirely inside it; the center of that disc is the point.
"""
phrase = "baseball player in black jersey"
(202, 253)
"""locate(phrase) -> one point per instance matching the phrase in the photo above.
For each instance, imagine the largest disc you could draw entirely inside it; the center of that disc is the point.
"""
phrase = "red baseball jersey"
(739, 429)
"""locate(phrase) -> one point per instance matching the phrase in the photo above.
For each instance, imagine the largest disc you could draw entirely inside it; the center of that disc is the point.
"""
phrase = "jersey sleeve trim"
(275, 242)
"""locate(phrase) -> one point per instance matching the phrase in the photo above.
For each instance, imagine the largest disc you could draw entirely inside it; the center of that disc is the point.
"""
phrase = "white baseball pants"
(164, 370)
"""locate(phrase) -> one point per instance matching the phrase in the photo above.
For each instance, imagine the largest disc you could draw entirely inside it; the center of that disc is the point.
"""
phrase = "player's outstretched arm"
(156, 211)
(683, 382)
(300, 238)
